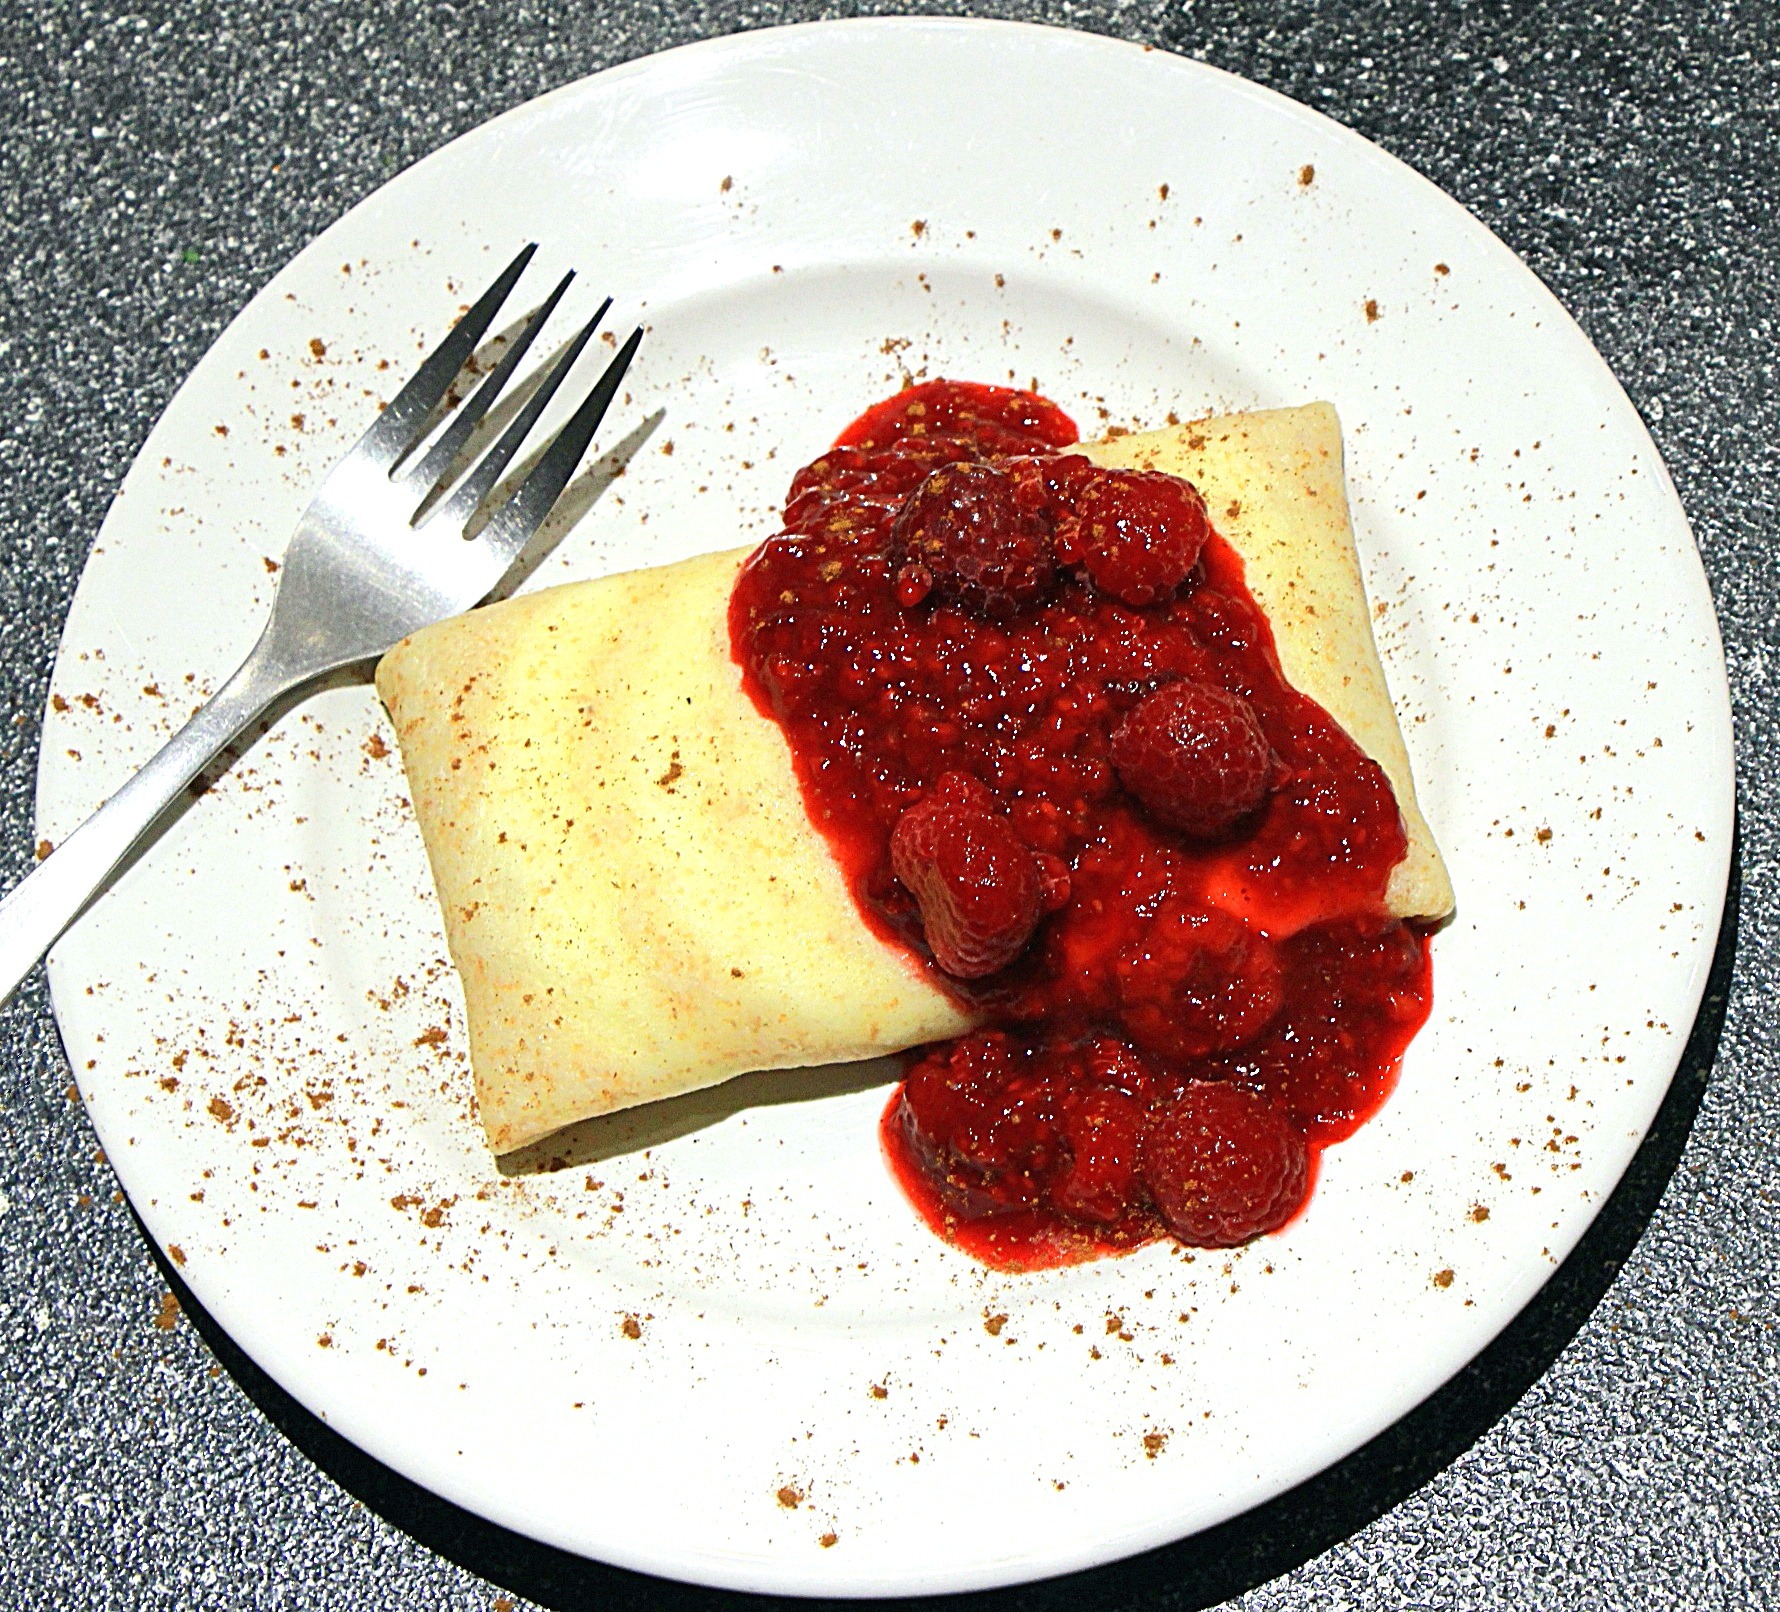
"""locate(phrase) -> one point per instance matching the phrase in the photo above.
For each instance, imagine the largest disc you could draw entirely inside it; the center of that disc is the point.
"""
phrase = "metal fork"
(368, 564)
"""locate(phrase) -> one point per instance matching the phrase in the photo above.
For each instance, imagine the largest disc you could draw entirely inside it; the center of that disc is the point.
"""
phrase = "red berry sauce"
(1040, 719)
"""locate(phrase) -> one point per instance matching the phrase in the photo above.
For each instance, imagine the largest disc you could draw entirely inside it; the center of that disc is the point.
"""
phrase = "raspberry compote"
(1039, 717)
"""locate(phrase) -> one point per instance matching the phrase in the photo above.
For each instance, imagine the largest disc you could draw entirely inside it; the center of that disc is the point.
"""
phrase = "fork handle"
(36, 911)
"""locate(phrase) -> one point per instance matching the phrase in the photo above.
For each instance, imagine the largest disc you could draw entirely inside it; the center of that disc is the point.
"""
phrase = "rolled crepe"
(1274, 488)
(634, 895)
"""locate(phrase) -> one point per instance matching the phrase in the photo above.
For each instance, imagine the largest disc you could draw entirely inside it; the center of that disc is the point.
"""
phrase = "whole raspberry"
(1048, 486)
(965, 529)
(1196, 757)
(1139, 533)
(978, 1124)
(978, 887)
(1195, 984)
(1099, 1180)
(1108, 1061)
(1224, 1165)
(854, 491)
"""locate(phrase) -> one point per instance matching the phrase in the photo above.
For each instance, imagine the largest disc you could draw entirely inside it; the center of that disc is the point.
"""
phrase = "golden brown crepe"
(634, 896)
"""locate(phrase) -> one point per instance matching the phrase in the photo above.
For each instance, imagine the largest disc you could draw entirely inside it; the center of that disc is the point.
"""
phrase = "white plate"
(801, 215)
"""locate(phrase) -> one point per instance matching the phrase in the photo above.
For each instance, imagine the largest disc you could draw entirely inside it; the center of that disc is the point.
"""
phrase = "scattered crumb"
(1443, 1278)
(168, 1313)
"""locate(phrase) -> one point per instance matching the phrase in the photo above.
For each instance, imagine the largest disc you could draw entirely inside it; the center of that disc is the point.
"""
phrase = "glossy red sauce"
(1188, 1015)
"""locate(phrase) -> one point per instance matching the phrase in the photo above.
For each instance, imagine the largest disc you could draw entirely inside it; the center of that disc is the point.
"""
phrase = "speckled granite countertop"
(1619, 1447)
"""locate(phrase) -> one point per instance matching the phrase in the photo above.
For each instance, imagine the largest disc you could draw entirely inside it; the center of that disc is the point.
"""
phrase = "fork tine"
(462, 504)
(431, 467)
(395, 430)
(522, 514)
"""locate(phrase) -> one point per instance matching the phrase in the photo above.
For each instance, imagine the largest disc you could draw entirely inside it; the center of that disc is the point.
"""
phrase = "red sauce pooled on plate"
(1040, 719)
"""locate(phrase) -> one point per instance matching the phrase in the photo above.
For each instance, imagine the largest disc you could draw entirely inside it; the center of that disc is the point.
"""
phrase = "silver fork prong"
(514, 522)
(456, 511)
(430, 469)
(354, 581)
(398, 427)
